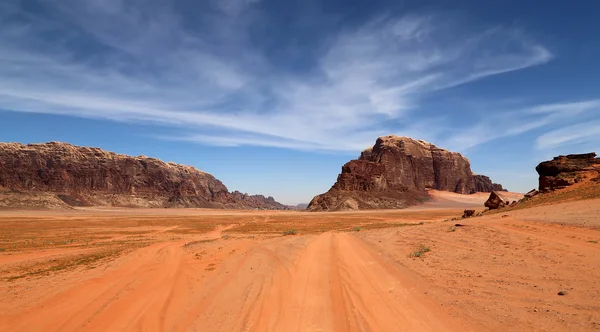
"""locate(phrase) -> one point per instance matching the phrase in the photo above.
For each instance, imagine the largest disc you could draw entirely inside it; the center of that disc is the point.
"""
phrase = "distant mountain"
(396, 172)
(299, 207)
(85, 176)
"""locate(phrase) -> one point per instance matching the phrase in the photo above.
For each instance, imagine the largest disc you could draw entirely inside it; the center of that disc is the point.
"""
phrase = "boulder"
(468, 213)
(532, 193)
(496, 201)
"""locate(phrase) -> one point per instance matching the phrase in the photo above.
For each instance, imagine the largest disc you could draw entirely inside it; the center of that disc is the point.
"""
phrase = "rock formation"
(81, 176)
(395, 172)
(564, 171)
(483, 184)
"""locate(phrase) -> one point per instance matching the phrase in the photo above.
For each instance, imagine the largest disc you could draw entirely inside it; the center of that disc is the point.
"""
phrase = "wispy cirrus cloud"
(140, 61)
(581, 133)
(501, 123)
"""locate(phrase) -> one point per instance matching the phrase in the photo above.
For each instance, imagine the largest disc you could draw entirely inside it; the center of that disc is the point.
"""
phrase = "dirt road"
(238, 273)
(329, 282)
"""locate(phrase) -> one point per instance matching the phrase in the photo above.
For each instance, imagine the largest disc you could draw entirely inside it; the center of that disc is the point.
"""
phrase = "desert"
(449, 260)
(119, 269)
(299, 166)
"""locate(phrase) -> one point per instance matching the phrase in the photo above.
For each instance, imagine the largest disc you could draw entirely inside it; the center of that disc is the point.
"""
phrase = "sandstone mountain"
(84, 176)
(396, 172)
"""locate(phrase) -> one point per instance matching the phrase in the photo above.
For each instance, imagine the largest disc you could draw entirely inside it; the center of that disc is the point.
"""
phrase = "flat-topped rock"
(403, 168)
(92, 176)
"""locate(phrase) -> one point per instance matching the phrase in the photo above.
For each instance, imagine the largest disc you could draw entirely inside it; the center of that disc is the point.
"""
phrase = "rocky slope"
(83, 176)
(395, 172)
(564, 178)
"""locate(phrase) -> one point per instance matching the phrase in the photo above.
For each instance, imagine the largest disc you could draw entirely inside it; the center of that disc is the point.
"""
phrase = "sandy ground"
(214, 270)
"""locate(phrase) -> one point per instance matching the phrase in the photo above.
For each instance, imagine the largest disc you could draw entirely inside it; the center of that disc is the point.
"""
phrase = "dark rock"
(468, 213)
(562, 293)
(82, 176)
(532, 193)
(496, 201)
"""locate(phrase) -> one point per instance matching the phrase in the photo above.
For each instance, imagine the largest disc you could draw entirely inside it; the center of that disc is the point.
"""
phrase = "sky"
(273, 97)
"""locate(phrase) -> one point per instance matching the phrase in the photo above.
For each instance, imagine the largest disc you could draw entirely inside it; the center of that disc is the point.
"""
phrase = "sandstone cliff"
(564, 171)
(81, 176)
(395, 172)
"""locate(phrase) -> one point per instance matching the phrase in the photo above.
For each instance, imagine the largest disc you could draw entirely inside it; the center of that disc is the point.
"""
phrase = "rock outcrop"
(531, 194)
(564, 171)
(484, 184)
(395, 173)
(82, 176)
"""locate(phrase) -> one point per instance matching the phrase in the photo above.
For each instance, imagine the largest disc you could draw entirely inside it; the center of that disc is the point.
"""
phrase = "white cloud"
(498, 124)
(572, 108)
(576, 134)
(220, 87)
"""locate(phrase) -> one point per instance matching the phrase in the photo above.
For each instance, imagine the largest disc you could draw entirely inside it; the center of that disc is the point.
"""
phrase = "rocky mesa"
(62, 173)
(396, 172)
(564, 171)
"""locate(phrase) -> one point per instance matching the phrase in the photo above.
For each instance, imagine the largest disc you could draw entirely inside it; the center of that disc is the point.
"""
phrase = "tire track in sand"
(338, 284)
(329, 282)
(137, 296)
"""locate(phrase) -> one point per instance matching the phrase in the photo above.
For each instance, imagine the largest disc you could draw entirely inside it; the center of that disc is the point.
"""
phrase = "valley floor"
(209, 270)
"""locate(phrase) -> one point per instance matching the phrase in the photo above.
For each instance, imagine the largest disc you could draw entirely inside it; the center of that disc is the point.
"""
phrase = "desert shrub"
(421, 251)
(290, 232)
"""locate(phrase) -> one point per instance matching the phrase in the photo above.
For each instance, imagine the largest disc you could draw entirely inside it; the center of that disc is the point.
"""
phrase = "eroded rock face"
(395, 172)
(564, 171)
(484, 184)
(91, 176)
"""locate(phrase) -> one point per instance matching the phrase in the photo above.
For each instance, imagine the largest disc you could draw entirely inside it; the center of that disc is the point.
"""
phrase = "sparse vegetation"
(83, 260)
(356, 229)
(421, 251)
(452, 229)
(189, 244)
(225, 236)
(593, 241)
(290, 232)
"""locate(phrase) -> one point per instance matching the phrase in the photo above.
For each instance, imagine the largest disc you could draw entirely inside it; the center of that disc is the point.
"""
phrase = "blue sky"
(273, 97)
